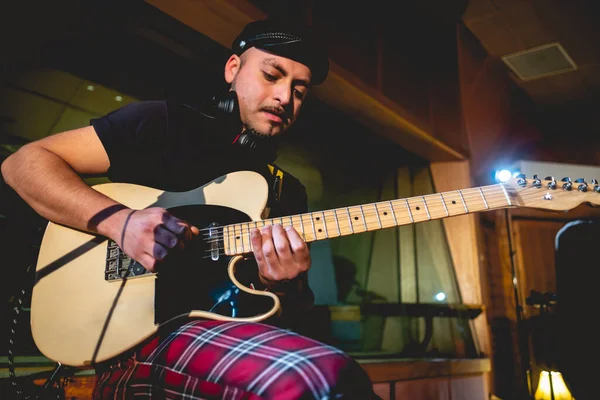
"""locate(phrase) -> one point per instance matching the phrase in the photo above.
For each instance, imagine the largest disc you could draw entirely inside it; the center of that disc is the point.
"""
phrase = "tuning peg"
(552, 183)
(522, 180)
(567, 185)
(537, 182)
(596, 186)
(583, 187)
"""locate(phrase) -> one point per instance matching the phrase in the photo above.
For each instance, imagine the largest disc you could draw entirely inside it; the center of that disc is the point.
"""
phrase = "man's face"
(270, 90)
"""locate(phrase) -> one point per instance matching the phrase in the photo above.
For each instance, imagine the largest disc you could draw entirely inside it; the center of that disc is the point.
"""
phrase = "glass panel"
(397, 294)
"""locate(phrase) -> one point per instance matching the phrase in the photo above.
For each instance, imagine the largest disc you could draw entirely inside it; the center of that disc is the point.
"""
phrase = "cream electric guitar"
(91, 302)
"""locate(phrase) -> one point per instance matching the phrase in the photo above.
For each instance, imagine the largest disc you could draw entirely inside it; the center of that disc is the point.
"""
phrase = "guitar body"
(91, 303)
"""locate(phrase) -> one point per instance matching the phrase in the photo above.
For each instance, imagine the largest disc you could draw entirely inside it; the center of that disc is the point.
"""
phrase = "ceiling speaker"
(539, 62)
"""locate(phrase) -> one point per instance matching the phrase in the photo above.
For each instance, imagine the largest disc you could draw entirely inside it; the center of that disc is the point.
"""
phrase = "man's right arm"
(47, 175)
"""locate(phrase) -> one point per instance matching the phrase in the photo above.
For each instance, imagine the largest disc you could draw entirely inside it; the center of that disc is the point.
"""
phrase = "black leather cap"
(285, 39)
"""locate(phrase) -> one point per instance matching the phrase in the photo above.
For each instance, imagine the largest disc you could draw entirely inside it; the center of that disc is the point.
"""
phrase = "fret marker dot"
(384, 213)
(356, 218)
(417, 208)
(320, 230)
(453, 201)
(318, 218)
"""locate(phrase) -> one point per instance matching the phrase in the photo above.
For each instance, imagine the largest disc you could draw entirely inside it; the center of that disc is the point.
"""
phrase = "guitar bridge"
(120, 266)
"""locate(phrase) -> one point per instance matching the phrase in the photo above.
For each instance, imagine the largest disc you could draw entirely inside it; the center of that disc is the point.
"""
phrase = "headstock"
(550, 194)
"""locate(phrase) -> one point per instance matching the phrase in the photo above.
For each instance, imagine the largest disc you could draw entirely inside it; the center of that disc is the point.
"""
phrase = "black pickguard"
(190, 280)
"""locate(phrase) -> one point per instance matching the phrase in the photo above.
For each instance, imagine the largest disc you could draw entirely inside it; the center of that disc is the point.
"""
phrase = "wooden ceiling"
(567, 101)
(509, 26)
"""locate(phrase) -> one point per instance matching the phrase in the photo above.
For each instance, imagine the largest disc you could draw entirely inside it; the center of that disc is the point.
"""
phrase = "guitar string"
(434, 198)
(384, 220)
(434, 205)
(331, 224)
(366, 209)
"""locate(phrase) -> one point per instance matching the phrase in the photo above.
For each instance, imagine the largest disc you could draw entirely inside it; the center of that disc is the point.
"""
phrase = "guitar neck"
(319, 225)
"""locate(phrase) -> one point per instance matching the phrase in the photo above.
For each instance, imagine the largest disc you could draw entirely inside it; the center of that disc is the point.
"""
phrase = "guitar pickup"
(213, 239)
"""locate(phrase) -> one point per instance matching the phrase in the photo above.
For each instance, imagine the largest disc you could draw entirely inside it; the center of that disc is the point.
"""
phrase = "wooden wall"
(463, 241)
(429, 379)
(392, 379)
(498, 122)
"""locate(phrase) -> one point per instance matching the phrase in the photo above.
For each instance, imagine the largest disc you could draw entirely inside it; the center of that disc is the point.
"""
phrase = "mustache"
(279, 111)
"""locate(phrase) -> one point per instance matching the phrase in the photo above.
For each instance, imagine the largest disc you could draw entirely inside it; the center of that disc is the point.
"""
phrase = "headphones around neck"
(225, 105)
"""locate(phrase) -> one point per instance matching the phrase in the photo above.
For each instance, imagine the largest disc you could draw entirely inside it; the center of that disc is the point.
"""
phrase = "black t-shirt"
(176, 147)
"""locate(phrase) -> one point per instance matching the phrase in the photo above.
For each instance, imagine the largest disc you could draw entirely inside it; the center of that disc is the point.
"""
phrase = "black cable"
(11, 344)
(525, 362)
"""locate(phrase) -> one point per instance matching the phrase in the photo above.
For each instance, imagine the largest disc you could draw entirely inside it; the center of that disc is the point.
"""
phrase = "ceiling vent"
(539, 62)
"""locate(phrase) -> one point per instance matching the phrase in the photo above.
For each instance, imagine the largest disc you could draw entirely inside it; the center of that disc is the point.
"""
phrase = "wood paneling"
(510, 26)
(535, 257)
(78, 388)
(485, 103)
(434, 389)
(382, 390)
(462, 236)
(409, 369)
(468, 388)
(460, 230)
(455, 388)
(498, 119)
(564, 102)
(418, 380)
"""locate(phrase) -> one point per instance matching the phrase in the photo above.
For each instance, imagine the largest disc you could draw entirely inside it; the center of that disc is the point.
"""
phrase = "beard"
(249, 129)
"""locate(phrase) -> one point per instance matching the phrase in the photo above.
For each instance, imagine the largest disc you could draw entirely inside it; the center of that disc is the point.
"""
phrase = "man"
(179, 147)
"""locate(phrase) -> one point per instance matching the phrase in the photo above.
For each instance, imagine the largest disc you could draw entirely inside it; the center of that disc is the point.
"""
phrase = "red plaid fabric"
(235, 360)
